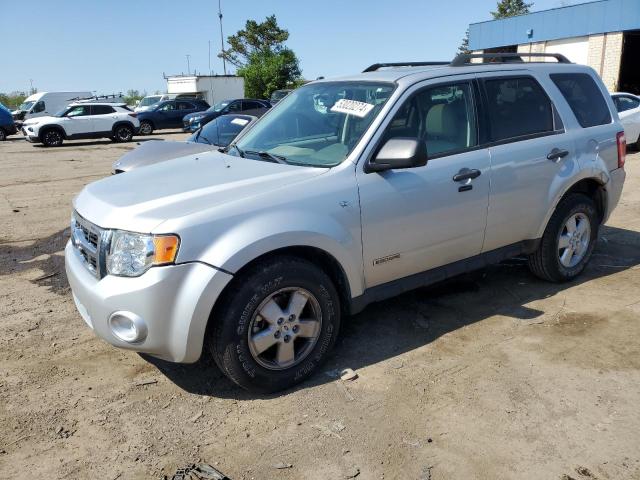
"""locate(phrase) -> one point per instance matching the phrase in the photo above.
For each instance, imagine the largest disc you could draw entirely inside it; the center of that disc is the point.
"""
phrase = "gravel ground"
(495, 375)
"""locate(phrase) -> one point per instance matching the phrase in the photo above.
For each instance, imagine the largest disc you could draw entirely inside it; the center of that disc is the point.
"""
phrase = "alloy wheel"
(574, 240)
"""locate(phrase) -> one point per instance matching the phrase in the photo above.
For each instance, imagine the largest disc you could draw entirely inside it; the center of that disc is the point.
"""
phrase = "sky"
(111, 46)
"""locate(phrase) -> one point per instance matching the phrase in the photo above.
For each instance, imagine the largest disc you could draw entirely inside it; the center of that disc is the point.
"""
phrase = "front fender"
(253, 237)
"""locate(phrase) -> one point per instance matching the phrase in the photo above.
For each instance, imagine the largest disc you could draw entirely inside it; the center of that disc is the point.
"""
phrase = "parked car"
(193, 121)
(628, 107)
(83, 120)
(278, 95)
(168, 114)
(150, 100)
(7, 125)
(43, 104)
(399, 178)
(220, 132)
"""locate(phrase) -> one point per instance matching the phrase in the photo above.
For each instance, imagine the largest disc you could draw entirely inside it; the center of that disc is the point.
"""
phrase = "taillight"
(621, 140)
(134, 115)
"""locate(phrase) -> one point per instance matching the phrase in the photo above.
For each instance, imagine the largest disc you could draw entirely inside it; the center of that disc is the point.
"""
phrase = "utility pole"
(224, 62)
(188, 66)
(209, 57)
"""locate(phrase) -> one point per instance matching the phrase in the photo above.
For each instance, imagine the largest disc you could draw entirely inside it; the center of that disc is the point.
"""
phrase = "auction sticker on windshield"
(352, 107)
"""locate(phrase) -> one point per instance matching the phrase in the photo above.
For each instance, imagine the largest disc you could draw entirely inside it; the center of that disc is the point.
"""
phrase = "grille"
(87, 239)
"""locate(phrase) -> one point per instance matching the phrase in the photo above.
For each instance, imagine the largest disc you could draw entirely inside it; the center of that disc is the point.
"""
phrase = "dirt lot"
(492, 376)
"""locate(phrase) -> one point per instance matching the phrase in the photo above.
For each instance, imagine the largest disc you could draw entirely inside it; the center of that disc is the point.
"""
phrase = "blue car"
(7, 126)
(169, 114)
(249, 106)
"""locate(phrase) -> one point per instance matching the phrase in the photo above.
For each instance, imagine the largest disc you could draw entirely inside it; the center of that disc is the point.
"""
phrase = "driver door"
(78, 121)
(167, 115)
(420, 218)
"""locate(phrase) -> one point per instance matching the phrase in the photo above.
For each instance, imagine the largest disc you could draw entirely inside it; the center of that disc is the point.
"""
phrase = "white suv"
(83, 120)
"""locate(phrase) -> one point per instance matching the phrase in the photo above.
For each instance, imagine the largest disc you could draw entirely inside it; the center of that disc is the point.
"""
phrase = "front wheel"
(276, 325)
(3, 135)
(146, 127)
(568, 240)
(52, 138)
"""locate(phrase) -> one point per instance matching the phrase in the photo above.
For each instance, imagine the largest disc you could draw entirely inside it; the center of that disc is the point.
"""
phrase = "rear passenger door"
(530, 153)
(104, 116)
(420, 218)
(182, 108)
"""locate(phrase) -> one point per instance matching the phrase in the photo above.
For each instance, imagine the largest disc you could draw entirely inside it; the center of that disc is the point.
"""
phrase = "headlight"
(195, 119)
(132, 254)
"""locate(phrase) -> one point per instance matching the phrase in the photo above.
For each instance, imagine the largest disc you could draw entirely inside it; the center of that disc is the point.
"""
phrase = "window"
(234, 107)
(185, 106)
(167, 107)
(39, 107)
(251, 105)
(517, 107)
(584, 97)
(443, 116)
(101, 110)
(78, 111)
(626, 103)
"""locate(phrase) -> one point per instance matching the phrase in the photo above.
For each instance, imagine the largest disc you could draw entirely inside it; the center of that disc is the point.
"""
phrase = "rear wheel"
(146, 127)
(123, 133)
(52, 138)
(277, 325)
(568, 240)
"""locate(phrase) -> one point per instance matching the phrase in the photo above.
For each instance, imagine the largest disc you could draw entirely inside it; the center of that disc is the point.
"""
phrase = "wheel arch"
(593, 187)
(42, 130)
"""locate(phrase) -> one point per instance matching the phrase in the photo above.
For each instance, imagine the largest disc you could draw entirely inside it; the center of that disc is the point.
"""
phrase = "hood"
(202, 113)
(33, 121)
(142, 199)
(155, 151)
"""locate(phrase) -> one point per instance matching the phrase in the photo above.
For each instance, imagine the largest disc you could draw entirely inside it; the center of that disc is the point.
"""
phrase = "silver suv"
(348, 192)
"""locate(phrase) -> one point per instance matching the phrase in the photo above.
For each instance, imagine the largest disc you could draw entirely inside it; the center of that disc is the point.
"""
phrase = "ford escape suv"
(351, 191)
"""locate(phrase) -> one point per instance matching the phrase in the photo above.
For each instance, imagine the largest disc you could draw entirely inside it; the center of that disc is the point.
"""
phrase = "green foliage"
(260, 54)
(12, 100)
(133, 96)
(464, 45)
(511, 8)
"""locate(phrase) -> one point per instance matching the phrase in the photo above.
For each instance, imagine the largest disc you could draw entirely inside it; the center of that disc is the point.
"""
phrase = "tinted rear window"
(101, 109)
(584, 97)
(517, 107)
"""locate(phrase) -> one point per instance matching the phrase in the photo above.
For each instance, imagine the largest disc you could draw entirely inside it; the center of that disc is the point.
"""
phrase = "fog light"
(128, 327)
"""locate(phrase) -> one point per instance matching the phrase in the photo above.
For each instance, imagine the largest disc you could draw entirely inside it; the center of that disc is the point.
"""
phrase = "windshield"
(221, 131)
(318, 124)
(219, 106)
(146, 101)
(26, 106)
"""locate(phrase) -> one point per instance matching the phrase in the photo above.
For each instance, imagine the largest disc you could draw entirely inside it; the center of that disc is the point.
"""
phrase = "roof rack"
(378, 66)
(465, 58)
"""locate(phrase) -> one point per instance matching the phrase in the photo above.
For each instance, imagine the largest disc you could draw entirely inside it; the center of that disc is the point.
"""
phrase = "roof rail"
(378, 66)
(465, 58)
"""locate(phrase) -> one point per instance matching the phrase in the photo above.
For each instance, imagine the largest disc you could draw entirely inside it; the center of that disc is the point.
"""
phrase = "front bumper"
(175, 302)
(11, 129)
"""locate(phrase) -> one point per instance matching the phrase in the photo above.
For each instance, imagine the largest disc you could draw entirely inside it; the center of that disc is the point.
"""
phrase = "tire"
(555, 263)
(51, 137)
(258, 302)
(146, 127)
(122, 133)
(3, 135)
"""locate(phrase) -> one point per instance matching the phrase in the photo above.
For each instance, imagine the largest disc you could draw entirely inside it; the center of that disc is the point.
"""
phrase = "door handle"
(466, 174)
(557, 154)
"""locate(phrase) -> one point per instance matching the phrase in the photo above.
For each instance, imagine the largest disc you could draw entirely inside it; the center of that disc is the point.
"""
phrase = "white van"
(46, 103)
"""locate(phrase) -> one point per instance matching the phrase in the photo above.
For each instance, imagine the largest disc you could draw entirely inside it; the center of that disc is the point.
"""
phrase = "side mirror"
(399, 153)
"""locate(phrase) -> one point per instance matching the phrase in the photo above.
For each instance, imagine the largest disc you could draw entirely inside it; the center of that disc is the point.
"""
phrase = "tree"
(133, 96)
(464, 46)
(260, 54)
(511, 8)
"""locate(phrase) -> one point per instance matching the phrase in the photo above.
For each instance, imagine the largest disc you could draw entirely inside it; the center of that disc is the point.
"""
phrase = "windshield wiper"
(238, 149)
(269, 156)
